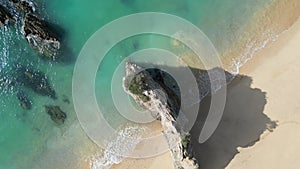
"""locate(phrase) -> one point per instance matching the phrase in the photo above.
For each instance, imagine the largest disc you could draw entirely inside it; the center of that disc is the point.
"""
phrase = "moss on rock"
(137, 86)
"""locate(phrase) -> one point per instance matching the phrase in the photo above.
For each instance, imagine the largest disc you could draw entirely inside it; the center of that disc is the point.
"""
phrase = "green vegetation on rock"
(185, 140)
(137, 86)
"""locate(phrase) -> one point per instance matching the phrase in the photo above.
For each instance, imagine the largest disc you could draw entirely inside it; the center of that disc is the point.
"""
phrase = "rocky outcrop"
(5, 16)
(157, 102)
(56, 114)
(24, 5)
(37, 81)
(25, 102)
(41, 36)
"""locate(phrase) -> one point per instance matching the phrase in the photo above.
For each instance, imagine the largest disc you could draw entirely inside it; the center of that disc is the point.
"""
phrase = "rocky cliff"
(152, 94)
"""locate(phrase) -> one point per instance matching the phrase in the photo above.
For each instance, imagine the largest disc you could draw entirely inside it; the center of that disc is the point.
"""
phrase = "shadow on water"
(242, 124)
(65, 56)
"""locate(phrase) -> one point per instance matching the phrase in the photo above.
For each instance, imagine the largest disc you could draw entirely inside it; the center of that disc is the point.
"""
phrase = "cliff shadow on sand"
(242, 124)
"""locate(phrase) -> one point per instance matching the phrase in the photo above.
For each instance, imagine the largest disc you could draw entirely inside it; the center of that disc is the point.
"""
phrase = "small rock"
(56, 114)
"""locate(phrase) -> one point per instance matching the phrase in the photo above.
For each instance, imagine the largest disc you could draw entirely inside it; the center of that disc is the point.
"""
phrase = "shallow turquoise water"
(24, 134)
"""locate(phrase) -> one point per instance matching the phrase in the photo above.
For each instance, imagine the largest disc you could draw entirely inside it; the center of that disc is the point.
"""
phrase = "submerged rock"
(5, 16)
(25, 102)
(41, 37)
(65, 99)
(24, 5)
(37, 81)
(56, 114)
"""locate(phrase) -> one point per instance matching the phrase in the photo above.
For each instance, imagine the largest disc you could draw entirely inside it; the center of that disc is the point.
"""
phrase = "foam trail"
(252, 49)
(119, 148)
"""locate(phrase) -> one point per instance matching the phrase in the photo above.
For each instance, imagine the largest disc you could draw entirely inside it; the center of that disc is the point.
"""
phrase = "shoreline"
(271, 49)
(261, 69)
(266, 26)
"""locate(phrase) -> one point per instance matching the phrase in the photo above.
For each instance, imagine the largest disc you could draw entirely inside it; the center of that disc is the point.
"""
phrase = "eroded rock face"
(24, 5)
(154, 89)
(41, 37)
(56, 114)
(5, 16)
(37, 81)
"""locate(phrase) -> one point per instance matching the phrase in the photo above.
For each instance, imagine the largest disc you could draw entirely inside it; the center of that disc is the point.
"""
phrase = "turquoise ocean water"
(29, 139)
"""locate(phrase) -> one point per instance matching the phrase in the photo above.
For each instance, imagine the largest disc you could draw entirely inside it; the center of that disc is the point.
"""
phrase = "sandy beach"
(275, 71)
(261, 123)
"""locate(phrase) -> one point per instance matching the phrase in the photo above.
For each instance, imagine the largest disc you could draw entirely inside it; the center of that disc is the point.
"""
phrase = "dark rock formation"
(24, 5)
(41, 36)
(137, 86)
(161, 100)
(174, 97)
(5, 16)
(25, 102)
(56, 114)
(37, 81)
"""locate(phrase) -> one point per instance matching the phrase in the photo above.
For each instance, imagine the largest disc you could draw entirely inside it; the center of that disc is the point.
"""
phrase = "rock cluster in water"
(179, 142)
(38, 82)
(56, 114)
(43, 38)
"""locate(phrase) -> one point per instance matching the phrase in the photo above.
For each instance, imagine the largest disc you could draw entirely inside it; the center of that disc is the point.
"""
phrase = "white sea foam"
(119, 148)
(268, 36)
